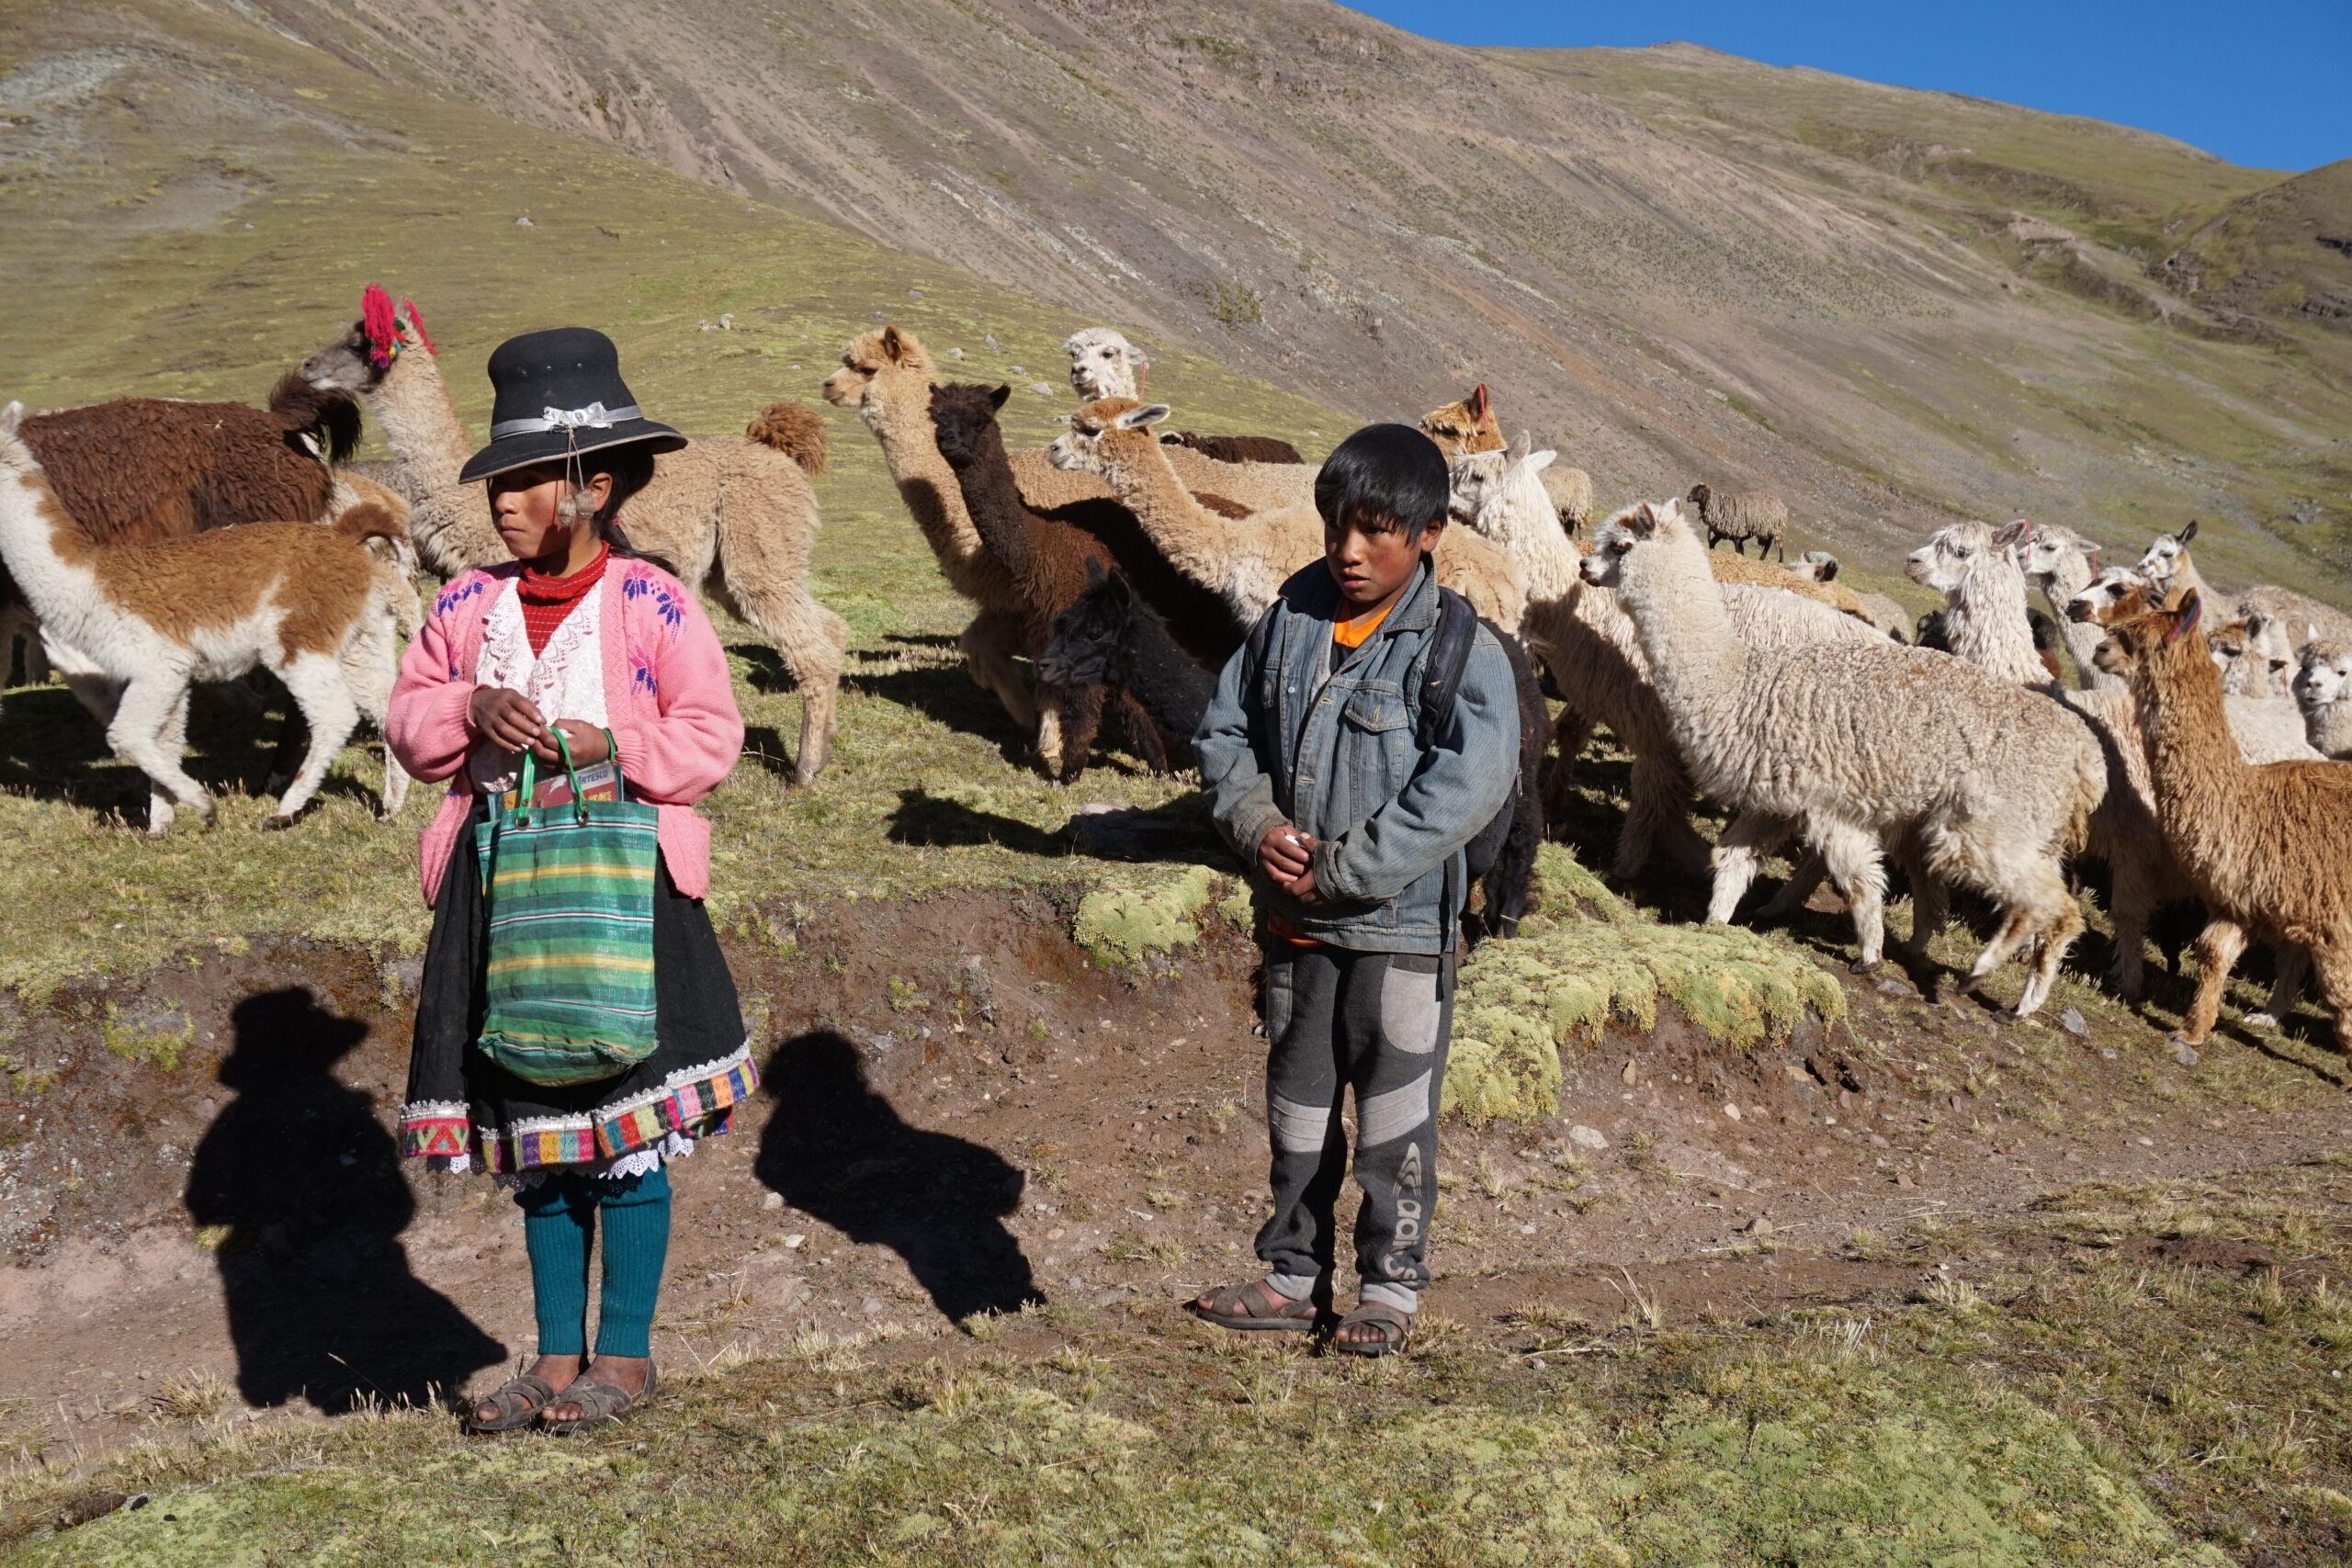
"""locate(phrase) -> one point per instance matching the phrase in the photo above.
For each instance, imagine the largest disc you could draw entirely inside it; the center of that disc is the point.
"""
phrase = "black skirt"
(463, 1108)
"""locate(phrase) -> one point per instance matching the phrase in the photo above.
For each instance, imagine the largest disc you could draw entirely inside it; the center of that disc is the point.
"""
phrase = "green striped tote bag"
(569, 893)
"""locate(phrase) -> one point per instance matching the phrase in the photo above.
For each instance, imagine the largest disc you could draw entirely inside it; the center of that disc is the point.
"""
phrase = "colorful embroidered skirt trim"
(698, 1103)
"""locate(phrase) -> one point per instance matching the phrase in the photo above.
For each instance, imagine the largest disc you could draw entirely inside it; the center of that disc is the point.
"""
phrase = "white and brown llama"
(319, 607)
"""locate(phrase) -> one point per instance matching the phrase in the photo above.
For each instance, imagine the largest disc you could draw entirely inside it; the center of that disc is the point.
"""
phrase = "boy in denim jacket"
(1355, 833)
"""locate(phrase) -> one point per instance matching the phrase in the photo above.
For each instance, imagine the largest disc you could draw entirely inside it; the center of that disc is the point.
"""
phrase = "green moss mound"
(1587, 958)
(1133, 918)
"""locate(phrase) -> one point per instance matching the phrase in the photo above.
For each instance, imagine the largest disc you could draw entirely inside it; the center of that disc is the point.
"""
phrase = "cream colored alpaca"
(1864, 743)
(733, 516)
(318, 607)
(1246, 562)
(2061, 563)
(1595, 658)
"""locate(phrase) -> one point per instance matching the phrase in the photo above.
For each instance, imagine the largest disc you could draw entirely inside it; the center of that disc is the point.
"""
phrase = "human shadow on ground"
(307, 1185)
(1177, 833)
(836, 1149)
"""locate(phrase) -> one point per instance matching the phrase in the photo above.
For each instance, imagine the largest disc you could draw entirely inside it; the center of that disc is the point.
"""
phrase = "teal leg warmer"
(637, 1242)
(558, 1213)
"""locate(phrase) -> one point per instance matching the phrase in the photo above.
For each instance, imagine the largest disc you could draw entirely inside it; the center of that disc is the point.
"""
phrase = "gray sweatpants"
(1374, 1022)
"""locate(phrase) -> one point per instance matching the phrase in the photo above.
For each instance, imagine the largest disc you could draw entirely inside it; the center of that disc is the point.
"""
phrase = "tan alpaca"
(1462, 429)
(887, 376)
(316, 606)
(1246, 562)
(734, 516)
(2268, 848)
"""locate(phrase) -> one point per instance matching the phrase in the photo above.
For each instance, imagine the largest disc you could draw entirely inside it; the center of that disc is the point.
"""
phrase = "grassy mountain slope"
(1890, 306)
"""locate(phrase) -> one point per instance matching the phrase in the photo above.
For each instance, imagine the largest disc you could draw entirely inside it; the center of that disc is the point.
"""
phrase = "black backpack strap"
(1457, 633)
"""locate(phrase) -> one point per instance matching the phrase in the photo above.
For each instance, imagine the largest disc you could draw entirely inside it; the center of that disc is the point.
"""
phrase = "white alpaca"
(2061, 563)
(319, 607)
(1986, 784)
(1103, 364)
(1593, 656)
(2324, 691)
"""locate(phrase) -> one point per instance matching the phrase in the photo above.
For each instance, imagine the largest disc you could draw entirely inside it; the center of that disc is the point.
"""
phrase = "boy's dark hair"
(1384, 477)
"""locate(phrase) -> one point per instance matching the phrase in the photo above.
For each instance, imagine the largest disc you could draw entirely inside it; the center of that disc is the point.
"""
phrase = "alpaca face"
(1945, 561)
(963, 416)
(1476, 476)
(1815, 565)
(2044, 554)
(871, 358)
(1103, 364)
(2118, 592)
(1081, 446)
(343, 365)
(1465, 427)
(2163, 557)
(2253, 656)
(2325, 677)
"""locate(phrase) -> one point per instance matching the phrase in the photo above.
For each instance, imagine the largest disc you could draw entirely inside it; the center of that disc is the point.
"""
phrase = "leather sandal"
(601, 1404)
(1396, 1328)
(518, 1401)
(1253, 1307)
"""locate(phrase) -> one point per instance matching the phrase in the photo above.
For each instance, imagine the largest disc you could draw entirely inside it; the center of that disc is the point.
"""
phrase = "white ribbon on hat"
(596, 416)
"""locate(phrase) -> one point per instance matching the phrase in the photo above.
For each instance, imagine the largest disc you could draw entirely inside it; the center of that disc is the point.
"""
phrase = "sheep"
(1977, 781)
(2268, 848)
(2324, 691)
(2061, 563)
(1247, 561)
(1594, 658)
(317, 606)
(1049, 562)
(736, 517)
(1103, 364)
(1739, 518)
(1109, 636)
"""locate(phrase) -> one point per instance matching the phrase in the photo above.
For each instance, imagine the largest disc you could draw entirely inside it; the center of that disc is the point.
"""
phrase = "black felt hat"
(560, 393)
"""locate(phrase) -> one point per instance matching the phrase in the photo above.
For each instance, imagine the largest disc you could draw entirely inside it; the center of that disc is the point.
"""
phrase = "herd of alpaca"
(147, 546)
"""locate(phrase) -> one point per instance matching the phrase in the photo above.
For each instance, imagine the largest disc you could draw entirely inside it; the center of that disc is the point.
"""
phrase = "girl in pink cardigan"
(581, 636)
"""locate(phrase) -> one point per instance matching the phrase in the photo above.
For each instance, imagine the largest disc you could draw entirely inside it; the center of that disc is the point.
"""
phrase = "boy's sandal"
(1396, 1327)
(518, 1402)
(1254, 1305)
(601, 1404)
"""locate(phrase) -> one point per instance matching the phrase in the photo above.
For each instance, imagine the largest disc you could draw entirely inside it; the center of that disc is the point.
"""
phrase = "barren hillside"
(1889, 305)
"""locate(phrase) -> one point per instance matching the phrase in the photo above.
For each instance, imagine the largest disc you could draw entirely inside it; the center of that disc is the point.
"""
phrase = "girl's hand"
(506, 717)
(587, 743)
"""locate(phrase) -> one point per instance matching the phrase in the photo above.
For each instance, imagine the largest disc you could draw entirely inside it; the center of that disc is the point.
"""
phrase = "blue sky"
(2257, 81)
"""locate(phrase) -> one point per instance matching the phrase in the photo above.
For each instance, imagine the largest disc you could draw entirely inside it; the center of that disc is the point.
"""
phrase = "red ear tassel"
(408, 309)
(376, 319)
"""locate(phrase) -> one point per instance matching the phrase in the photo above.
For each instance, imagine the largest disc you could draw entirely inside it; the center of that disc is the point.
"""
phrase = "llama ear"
(2188, 534)
(894, 345)
(996, 398)
(11, 417)
(2013, 535)
(1478, 402)
(1539, 461)
(1136, 418)
(2190, 609)
(1094, 572)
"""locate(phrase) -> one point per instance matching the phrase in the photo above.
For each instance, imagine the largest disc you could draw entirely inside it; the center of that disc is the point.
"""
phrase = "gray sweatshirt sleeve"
(1462, 782)
(1241, 798)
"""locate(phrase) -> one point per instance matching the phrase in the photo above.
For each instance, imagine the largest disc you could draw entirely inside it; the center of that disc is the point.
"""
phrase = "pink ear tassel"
(408, 309)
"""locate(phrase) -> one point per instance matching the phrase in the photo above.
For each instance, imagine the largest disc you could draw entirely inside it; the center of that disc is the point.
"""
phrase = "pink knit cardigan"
(667, 692)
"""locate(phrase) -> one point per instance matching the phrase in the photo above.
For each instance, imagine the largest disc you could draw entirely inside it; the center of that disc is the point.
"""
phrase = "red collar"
(536, 587)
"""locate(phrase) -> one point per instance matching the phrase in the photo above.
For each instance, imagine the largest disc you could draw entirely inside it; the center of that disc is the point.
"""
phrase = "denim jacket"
(1337, 758)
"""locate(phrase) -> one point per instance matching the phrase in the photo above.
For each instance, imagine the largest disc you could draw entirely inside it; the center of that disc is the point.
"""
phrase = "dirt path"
(964, 1116)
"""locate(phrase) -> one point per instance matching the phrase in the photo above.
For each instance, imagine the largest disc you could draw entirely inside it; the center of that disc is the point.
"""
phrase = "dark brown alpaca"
(137, 470)
(2268, 848)
(1047, 559)
(1235, 449)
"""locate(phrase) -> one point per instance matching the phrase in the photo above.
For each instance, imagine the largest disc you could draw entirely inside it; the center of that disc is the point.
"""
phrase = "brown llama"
(2267, 847)
(137, 470)
(733, 516)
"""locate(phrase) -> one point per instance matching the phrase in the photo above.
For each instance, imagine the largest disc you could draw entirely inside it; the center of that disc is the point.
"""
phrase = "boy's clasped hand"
(1288, 857)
